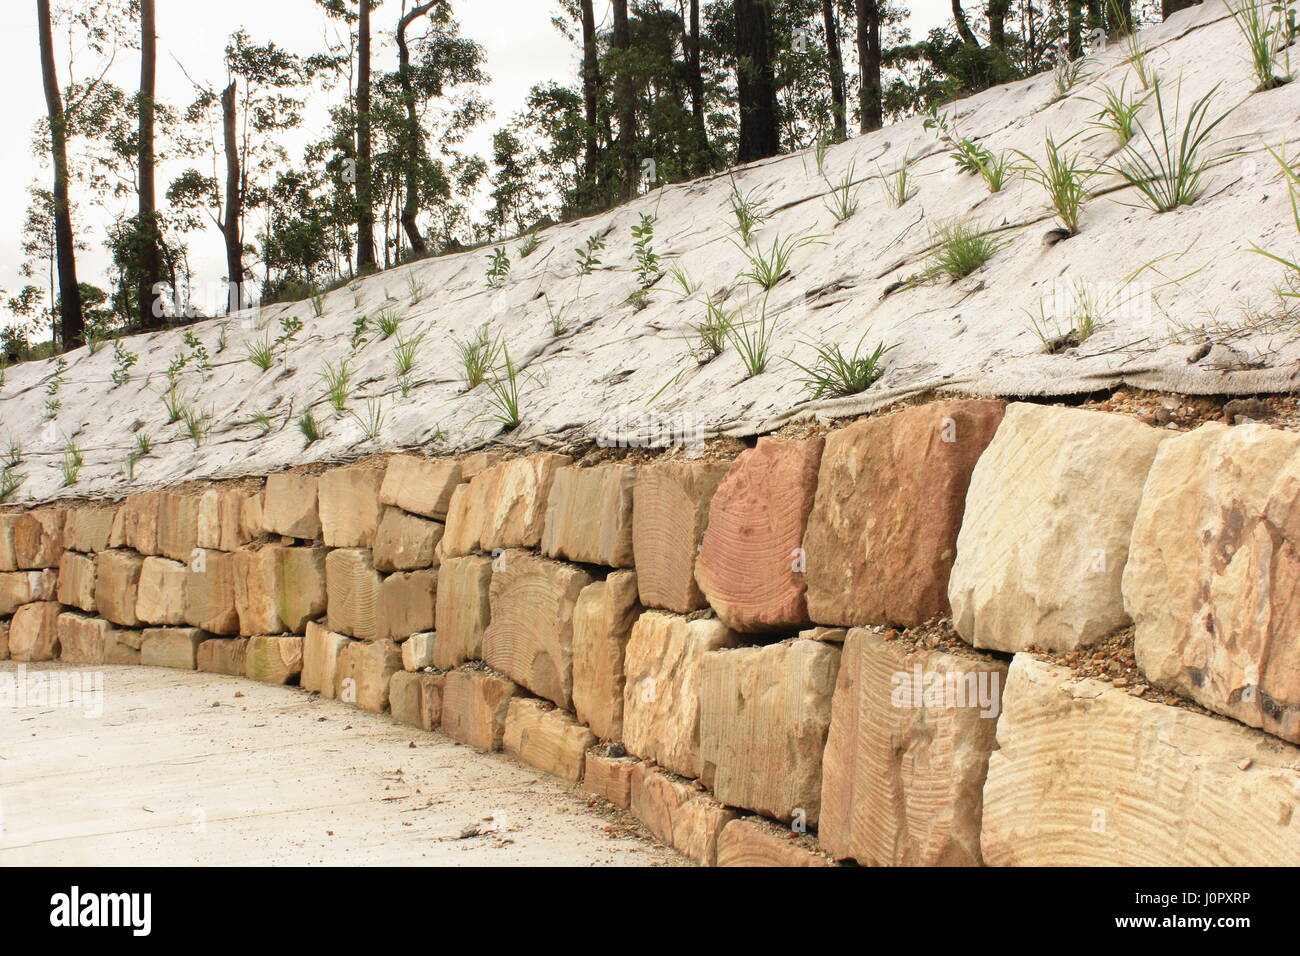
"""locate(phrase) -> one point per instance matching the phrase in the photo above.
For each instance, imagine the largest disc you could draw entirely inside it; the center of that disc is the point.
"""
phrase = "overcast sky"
(522, 49)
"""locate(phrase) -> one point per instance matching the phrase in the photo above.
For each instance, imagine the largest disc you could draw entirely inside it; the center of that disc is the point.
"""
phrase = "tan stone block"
(176, 647)
(123, 646)
(138, 516)
(89, 527)
(906, 756)
(77, 581)
(23, 587)
(501, 507)
(750, 566)
(34, 632)
(1086, 774)
(363, 671)
(764, 714)
(219, 519)
(546, 738)
(31, 540)
(272, 659)
(679, 813)
(223, 655)
(252, 524)
(82, 639)
(462, 610)
(8, 557)
(474, 704)
(406, 603)
(417, 651)
(589, 515)
(1046, 530)
(178, 525)
(353, 586)
(210, 593)
(117, 579)
(422, 486)
(753, 841)
(661, 695)
(530, 637)
(477, 461)
(257, 592)
(289, 505)
(609, 777)
(300, 586)
(670, 512)
(416, 699)
(602, 623)
(160, 597)
(405, 542)
(320, 654)
(349, 506)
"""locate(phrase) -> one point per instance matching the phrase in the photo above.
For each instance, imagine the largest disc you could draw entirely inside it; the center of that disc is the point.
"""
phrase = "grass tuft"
(835, 374)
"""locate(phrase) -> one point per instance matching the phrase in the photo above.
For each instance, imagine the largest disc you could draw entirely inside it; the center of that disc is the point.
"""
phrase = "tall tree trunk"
(760, 135)
(1169, 7)
(624, 97)
(963, 27)
(1074, 28)
(365, 178)
(701, 161)
(147, 220)
(870, 108)
(71, 321)
(414, 136)
(997, 13)
(230, 229)
(832, 27)
(591, 96)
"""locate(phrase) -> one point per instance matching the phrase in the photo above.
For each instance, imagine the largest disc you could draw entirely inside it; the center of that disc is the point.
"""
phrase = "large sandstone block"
(137, 523)
(176, 647)
(117, 579)
(301, 593)
(1213, 578)
(750, 566)
(23, 587)
(679, 813)
(417, 651)
(290, 505)
(252, 524)
(416, 699)
(34, 632)
(123, 646)
(223, 655)
(83, 640)
(178, 525)
(753, 841)
(406, 604)
(77, 581)
(160, 597)
(37, 538)
(462, 610)
(272, 659)
(602, 623)
(349, 506)
(405, 542)
(546, 738)
(1046, 532)
(362, 673)
(670, 512)
(257, 592)
(609, 777)
(89, 527)
(422, 486)
(764, 714)
(220, 519)
(883, 531)
(501, 507)
(1086, 774)
(530, 637)
(320, 655)
(474, 705)
(352, 585)
(661, 694)
(589, 515)
(210, 593)
(907, 753)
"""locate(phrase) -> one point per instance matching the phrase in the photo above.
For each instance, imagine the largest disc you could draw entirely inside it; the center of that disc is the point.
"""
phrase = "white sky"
(521, 45)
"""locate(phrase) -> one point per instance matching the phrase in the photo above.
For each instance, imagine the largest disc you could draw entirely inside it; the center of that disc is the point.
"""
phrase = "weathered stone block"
(906, 756)
(117, 579)
(223, 655)
(1045, 537)
(750, 566)
(661, 696)
(501, 507)
(160, 597)
(670, 512)
(679, 813)
(764, 714)
(38, 539)
(257, 592)
(77, 581)
(23, 587)
(602, 623)
(753, 841)
(220, 519)
(422, 486)
(123, 646)
(290, 505)
(546, 738)
(178, 525)
(349, 506)
(138, 521)
(589, 515)
(352, 585)
(609, 777)
(210, 593)
(272, 659)
(300, 586)
(1087, 775)
(530, 637)
(405, 542)
(416, 699)
(406, 603)
(34, 632)
(462, 610)
(363, 671)
(417, 651)
(89, 527)
(474, 705)
(320, 654)
(83, 640)
(176, 647)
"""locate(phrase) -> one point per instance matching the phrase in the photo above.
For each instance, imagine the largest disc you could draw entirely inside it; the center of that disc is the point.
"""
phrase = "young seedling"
(478, 357)
(337, 377)
(638, 299)
(712, 332)
(71, 465)
(310, 428)
(555, 318)
(263, 421)
(143, 444)
(997, 170)
(752, 340)
(360, 326)
(1137, 59)
(317, 303)
(1065, 180)
(13, 455)
(969, 156)
(372, 420)
(1087, 312)
(898, 184)
(843, 200)
(529, 246)
(588, 259)
(686, 286)
(1118, 113)
(260, 352)
(647, 261)
(960, 249)
(766, 269)
(415, 287)
(835, 374)
(404, 361)
(1067, 74)
(386, 323)
(503, 394)
(1292, 290)
(173, 403)
(10, 481)
(1265, 27)
(197, 424)
(290, 326)
(498, 267)
(748, 212)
